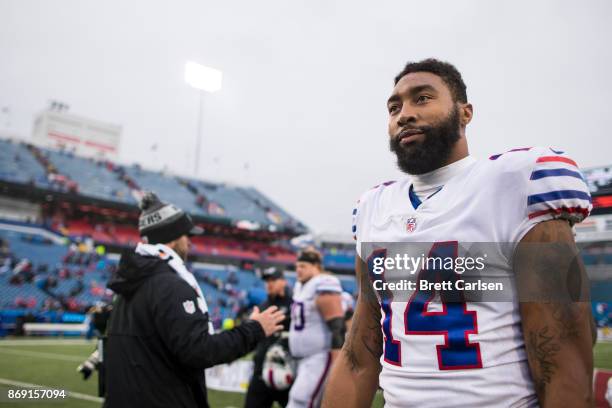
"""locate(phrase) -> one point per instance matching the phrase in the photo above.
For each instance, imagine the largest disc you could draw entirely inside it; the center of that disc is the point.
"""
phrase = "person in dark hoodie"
(259, 395)
(159, 337)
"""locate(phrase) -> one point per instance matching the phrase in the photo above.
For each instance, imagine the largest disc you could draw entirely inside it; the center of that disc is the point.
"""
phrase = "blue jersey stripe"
(538, 174)
(557, 195)
(414, 199)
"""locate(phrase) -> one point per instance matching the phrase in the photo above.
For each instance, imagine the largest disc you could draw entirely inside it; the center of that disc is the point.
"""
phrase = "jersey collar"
(438, 177)
(415, 200)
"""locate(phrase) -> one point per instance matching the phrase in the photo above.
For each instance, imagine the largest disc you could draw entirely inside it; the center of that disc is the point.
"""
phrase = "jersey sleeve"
(356, 227)
(348, 303)
(361, 215)
(555, 189)
(328, 284)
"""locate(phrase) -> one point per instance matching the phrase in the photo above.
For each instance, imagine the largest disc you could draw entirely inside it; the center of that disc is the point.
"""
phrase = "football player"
(317, 328)
(348, 305)
(264, 388)
(474, 354)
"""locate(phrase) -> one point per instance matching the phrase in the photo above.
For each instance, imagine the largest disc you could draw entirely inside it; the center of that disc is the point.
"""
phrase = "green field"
(53, 363)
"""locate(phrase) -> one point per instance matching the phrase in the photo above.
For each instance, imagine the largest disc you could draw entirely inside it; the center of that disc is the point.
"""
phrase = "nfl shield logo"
(189, 306)
(411, 224)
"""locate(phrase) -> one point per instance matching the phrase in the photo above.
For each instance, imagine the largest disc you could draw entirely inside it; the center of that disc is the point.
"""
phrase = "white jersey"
(472, 354)
(348, 302)
(309, 333)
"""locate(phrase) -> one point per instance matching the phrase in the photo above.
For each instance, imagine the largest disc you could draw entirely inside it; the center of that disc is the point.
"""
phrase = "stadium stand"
(339, 259)
(17, 165)
(168, 188)
(38, 271)
(94, 178)
(102, 179)
(273, 212)
(218, 199)
(112, 233)
(38, 276)
(50, 266)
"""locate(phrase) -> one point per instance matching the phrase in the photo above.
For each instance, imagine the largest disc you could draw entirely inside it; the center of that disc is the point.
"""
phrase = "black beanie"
(161, 223)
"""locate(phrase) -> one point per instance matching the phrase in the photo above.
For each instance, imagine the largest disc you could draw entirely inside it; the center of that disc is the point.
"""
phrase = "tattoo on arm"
(553, 293)
(365, 334)
(349, 346)
(542, 348)
(567, 317)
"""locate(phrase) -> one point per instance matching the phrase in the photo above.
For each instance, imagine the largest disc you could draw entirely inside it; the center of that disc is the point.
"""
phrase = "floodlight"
(202, 77)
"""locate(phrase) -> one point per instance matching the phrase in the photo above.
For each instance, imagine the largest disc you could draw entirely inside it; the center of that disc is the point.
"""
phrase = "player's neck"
(312, 276)
(460, 151)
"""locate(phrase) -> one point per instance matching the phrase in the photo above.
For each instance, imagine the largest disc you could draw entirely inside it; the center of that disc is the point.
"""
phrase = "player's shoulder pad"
(367, 199)
(348, 301)
(553, 184)
(519, 158)
(523, 161)
(530, 157)
(557, 188)
(375, 192)
(326, 283)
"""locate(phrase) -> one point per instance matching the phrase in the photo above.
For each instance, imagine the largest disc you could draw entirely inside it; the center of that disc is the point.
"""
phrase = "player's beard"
(435, 149)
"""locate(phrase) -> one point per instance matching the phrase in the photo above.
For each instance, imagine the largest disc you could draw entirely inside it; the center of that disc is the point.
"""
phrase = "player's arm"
(330, 307)
(556, 315)
(354, 377)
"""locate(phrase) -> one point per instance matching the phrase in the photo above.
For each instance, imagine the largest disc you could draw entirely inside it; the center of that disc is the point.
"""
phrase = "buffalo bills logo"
(411, 224)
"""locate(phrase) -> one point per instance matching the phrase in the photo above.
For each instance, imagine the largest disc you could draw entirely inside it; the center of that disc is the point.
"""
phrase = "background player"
(348, 305)
(259, 395)
(488, 354)
(317, 328)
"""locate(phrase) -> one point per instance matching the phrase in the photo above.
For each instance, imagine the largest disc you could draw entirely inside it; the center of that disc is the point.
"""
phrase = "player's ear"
(466, 111)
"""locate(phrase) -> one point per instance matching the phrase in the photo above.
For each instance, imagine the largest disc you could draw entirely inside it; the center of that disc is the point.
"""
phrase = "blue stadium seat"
(17, 165)
(234, 203)
(166, 187)
(93, 178)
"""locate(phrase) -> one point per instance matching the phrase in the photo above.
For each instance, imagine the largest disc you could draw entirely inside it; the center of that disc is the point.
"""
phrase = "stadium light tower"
(204, 79)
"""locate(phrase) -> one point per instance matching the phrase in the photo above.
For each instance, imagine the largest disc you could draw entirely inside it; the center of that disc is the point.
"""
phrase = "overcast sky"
(305, 83)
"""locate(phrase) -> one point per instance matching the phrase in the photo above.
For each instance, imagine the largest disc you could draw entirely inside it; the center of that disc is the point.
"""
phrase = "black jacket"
(158, 343)
(284, 304)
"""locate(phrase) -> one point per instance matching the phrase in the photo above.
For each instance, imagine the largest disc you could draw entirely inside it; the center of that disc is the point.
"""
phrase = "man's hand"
(270, 319)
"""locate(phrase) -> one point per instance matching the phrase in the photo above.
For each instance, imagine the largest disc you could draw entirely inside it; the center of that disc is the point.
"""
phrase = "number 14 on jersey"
(454, 321)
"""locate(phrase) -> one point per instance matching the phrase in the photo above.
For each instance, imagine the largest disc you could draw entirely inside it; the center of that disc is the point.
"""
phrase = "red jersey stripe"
(546, 159)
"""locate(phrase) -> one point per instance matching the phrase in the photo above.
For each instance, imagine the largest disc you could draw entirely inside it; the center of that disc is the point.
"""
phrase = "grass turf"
(54, 365)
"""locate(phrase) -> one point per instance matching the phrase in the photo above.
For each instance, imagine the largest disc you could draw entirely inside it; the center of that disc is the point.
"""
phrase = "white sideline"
(46, 342)
(52, 356)
(70, 394)
(55, 327)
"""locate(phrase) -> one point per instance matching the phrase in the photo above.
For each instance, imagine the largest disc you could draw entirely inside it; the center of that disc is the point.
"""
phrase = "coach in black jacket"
(159, 336)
